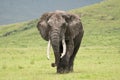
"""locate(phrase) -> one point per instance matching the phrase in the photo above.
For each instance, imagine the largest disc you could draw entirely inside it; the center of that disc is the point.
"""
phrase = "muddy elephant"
(64, 31)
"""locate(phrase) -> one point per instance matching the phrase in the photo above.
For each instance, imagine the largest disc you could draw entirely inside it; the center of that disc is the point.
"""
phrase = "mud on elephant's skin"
(64, 31)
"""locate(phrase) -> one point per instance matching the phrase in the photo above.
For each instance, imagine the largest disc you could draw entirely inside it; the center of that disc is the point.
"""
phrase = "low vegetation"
(23, 51)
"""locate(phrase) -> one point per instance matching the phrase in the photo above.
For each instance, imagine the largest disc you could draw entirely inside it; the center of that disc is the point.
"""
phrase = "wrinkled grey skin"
(55, 26)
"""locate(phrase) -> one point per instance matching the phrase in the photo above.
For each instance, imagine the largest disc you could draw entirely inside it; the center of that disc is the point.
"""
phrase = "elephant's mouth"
(64, 49)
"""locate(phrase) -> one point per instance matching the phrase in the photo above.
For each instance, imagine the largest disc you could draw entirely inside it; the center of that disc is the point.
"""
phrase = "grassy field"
(23, 51)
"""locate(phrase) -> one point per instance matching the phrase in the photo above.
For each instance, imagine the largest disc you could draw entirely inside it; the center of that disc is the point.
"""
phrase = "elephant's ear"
(43, 25)
(74, 25)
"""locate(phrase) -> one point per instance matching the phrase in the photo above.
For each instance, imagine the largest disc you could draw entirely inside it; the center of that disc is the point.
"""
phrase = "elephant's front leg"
(64, 62)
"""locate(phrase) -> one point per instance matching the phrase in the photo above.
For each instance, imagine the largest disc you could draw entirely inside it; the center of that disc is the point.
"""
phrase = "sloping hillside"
(23, 51)
(20, 35)
(101, 23)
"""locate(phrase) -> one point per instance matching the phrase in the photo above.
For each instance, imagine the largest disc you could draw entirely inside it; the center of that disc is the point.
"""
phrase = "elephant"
(64, 31)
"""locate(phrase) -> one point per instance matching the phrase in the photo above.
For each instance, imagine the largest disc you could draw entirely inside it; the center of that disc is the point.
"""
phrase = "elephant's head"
(53, 27)
(50, 22)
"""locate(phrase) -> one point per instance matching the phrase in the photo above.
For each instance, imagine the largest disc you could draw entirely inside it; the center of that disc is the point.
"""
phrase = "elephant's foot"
(71, 67)
(62, 70)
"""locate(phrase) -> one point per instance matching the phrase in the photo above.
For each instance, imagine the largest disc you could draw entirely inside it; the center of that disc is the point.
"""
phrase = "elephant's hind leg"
(71, 62)
(77, 43)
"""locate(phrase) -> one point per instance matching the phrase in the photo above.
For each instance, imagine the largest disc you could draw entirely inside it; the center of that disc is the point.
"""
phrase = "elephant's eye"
(64, 24)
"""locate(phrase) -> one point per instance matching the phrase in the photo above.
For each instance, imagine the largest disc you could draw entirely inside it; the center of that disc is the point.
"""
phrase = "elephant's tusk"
(48, 50)
(64, 48)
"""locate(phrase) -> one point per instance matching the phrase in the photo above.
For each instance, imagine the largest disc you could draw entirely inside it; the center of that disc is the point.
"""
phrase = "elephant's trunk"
(55, 41)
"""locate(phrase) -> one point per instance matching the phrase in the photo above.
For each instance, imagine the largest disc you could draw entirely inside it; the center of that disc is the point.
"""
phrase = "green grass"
(23, 52)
